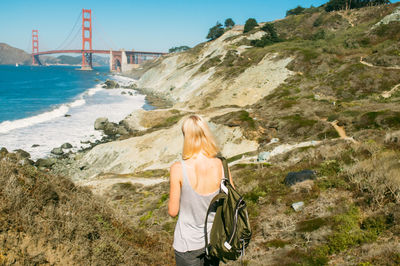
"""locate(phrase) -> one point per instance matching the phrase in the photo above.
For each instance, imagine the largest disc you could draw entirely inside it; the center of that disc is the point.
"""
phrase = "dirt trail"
(385, 94)
(371, 65)
(99, 186)
(388, 94)
(340, 130)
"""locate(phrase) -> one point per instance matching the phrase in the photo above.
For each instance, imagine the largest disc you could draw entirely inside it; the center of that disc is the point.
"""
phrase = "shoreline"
(85, 143)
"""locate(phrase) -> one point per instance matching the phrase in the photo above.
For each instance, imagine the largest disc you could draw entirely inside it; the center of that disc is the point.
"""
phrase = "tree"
(333, 5)
(229, 23)
(215, 32)
(270, 38)
(251, 23)
(295, 11)
(178, 49)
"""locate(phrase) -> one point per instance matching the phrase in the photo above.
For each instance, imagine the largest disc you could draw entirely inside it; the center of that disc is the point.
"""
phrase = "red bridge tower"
(86, 39)
(35, 47)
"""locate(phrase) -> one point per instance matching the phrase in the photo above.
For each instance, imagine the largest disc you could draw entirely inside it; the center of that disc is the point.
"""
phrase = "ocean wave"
(7, 126)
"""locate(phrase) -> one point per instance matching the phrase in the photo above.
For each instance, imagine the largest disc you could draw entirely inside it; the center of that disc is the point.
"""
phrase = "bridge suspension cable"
(100, 31)
(62, 45)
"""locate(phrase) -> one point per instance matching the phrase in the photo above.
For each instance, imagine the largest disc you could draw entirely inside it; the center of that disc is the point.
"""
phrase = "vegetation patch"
(311, 225)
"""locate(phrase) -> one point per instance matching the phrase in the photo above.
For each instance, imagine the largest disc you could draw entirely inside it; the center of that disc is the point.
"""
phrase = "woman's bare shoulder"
(176, 166)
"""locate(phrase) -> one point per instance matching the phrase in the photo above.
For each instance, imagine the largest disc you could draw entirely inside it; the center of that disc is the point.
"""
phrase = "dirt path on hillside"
(341, 131)
(99, 186)
(385, 94)
(371, 65)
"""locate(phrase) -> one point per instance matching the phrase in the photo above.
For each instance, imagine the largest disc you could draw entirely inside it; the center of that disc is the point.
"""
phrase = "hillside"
(10, 55)
(325, 98)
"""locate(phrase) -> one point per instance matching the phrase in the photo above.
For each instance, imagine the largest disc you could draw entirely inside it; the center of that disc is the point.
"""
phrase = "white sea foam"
(77, 103)
(7, 126)
(51, 129)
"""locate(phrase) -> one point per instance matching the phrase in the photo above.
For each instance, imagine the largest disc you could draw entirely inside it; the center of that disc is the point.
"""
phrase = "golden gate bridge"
(119, 60)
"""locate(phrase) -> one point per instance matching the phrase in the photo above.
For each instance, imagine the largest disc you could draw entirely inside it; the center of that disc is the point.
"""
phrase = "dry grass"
(46, 219)
(378, 175)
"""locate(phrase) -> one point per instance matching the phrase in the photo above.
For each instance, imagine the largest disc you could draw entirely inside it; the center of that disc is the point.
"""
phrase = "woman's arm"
(175, 181)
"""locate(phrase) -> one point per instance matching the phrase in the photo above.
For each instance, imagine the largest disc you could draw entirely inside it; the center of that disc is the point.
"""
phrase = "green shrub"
(310, 225)
(250, 24)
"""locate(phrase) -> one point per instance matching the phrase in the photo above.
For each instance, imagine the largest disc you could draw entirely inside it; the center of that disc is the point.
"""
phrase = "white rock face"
(394, 16)
(178, 76)
(156, 150)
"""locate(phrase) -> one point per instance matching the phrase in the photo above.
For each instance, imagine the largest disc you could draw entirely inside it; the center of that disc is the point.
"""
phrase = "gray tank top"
(189, 229)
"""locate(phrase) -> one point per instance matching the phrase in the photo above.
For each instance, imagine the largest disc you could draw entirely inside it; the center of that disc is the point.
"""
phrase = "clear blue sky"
(141, 25)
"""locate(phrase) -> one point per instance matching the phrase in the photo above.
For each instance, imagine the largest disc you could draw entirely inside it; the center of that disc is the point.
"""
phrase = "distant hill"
(74, 60)
(12, 55)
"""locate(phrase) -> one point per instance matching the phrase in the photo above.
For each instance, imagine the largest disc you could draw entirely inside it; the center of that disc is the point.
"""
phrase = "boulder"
(110, 84)
(298, 206)
(66, 146)
(100, 123)
(22, 154)
(263, 156)
(393, 138)
(45, 163)
(122, 130)
(297, 177)
(57, 151)
(35, 145)
(3, 152)
(110, 128)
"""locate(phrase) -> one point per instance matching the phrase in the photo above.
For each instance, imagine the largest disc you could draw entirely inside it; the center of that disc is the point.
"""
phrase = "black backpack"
(230, 232)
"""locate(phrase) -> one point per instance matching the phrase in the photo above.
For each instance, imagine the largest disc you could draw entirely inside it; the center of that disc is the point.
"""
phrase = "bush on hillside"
(229, 23)
(250, 24)
(268, 39)
(334, 5)
(215, 32)
(295, 11)
(178, 49)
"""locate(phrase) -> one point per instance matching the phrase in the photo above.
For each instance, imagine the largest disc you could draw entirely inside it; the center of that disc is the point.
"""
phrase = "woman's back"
(204, 174)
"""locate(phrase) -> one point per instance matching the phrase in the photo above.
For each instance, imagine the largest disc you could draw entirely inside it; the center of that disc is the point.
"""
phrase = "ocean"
(43, 107)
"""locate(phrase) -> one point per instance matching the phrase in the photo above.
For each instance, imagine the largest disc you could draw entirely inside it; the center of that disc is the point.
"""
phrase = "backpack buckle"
(226, 244)
(223, 187)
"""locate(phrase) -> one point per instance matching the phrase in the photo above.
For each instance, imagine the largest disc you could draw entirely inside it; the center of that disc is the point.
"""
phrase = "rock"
(298, 206)
(22, 154)
(393, 138)
(110, 128)
(263, 156)
(3, 152)
(45, 163)
(122, 131)
(100, 123)
(296, 177)
(124, 92)
(110, 84)
(66, 146)
(67, 115)
(35, 145)
(57, 151)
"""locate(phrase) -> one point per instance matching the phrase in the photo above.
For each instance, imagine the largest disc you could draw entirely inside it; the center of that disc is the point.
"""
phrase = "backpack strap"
(218, 197)
(226, 171)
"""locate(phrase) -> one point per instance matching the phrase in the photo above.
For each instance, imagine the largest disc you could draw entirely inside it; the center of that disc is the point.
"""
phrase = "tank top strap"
(185, 178)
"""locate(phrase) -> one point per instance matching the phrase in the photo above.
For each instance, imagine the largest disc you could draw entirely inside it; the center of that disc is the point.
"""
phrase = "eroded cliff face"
(194, 79)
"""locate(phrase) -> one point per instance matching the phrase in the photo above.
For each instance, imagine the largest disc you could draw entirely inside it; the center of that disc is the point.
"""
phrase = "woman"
(194, 182)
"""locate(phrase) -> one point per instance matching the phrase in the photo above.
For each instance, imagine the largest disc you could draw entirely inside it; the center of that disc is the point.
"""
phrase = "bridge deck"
(95, 52)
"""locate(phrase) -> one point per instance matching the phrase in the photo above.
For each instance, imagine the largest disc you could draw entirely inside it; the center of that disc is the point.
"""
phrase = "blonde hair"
(197, 138)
